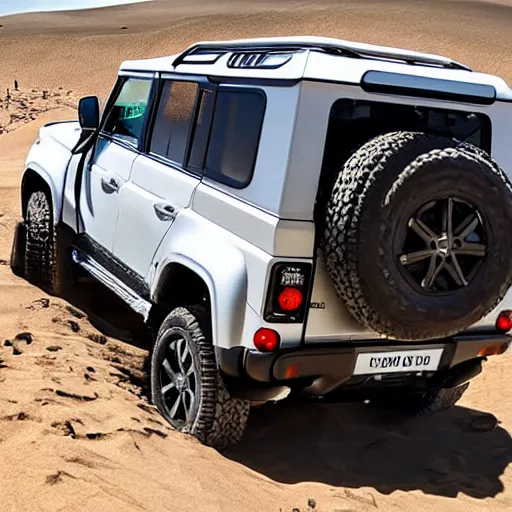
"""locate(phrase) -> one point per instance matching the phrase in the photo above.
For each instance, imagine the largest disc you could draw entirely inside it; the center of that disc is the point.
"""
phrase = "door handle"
(110, 186)
(165, 211)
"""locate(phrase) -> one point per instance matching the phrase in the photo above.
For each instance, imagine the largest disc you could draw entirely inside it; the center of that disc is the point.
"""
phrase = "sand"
(76, 430)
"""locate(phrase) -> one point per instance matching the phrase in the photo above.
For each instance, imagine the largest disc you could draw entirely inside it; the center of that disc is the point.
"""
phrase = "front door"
(159, 187)
(112, 160)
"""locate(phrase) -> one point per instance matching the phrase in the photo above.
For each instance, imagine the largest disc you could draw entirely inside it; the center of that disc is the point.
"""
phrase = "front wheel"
(409, 403)
(186, 386)
(44, 264)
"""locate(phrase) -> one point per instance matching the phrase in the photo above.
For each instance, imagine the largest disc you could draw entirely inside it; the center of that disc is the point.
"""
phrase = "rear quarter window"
(235, 135)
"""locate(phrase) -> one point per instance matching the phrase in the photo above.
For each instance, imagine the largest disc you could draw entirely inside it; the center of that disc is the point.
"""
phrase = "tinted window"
(202, 130)
(173, 120)
(235, 136)
(126, 119)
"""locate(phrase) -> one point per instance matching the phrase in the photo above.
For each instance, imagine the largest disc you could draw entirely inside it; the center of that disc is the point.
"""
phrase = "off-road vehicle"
(302, 214)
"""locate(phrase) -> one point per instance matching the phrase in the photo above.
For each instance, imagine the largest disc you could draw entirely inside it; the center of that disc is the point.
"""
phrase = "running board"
(137, 303)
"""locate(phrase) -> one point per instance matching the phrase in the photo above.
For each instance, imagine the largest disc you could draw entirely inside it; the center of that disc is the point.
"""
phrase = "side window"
(235, 135)
(206, 105)
(126, 119)
(174, 120)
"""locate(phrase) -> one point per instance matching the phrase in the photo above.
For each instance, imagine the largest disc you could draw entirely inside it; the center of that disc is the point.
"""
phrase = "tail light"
(266, 340)
(290, 299)
(504, 321)
(288, 293)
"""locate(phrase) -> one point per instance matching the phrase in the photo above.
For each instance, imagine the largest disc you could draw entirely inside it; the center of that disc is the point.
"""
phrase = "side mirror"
(89, 113)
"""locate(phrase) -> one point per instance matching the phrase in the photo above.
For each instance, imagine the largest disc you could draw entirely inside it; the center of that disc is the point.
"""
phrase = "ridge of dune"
(76, 429)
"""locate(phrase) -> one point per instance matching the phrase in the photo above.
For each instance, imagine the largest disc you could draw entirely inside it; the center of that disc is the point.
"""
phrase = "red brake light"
(290, 299)
(504, 321)
(266, 340)
(288, 291)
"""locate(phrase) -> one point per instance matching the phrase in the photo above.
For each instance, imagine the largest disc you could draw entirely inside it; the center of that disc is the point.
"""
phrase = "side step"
(137, 303)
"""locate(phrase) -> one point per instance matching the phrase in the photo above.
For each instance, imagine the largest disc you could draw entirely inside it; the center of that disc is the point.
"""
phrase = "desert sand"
(76, 429)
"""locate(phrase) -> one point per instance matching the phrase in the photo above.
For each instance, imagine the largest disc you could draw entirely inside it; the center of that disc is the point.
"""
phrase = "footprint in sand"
(98, 338)
(19, 416)
(42, 303)
(74, 326)
(75, 396)
(17, 342)
(87, 375)
(58, 477)
(53, 348)
(67, 428)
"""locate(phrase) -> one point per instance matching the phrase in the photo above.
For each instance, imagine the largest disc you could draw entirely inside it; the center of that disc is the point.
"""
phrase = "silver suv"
(289, 214)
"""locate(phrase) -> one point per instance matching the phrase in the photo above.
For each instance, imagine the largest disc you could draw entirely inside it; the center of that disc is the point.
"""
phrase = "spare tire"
(417, 235)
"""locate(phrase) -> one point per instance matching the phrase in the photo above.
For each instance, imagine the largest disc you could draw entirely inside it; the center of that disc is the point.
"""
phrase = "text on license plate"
(398, 361)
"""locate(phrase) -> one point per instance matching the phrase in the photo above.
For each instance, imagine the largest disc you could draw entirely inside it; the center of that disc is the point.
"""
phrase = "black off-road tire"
(379, 187)
(45, 264)
(412, 404)
(218, 420)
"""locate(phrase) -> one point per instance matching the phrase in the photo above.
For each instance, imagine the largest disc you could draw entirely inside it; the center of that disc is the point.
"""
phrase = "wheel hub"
(178, 383)
(181, 383)
(444, 245)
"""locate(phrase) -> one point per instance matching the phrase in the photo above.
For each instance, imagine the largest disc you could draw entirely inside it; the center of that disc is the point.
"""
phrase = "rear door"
(112, 160)
(161, 184)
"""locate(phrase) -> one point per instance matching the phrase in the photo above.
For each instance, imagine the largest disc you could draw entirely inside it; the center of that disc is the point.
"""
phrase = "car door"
(161, 184)
(112, 158)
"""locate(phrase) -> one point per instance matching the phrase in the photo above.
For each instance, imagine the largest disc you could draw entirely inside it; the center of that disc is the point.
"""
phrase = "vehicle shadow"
(354, 445)
(108, 313)
(343, 444)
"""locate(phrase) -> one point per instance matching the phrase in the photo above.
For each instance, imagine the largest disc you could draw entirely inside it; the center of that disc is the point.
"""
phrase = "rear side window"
(235, 135)
(173, 121)
(125, 120)
(206, 106)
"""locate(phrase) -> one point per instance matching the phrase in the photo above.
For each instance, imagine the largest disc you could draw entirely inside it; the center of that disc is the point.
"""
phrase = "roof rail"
(324, 44)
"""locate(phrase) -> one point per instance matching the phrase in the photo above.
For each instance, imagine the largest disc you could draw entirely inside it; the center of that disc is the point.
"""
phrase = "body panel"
(140, 226)
(69, 210)
(269, 233)
(235, 271)
(99, 205)
(49, 157)
(328, 318)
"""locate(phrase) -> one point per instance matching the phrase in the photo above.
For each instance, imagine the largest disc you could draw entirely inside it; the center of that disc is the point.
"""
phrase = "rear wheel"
(186, 385)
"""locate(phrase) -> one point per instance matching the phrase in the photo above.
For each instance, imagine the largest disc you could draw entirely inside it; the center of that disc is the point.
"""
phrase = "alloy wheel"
(444, 245)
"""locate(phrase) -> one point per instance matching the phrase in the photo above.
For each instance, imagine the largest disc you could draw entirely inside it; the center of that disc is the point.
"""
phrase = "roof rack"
(210, 51)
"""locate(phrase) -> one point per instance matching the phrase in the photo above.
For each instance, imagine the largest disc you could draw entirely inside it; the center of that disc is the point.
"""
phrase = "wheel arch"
(218, 272)
(180, 285)
(34, 178)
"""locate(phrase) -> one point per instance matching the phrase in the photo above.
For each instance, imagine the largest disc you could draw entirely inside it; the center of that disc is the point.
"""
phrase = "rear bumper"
(322, 369)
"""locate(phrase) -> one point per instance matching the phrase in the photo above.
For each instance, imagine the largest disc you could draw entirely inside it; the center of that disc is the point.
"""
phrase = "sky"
(17, 6)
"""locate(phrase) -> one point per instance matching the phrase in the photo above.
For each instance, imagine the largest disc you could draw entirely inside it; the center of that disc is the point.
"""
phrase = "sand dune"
(76, 430)
(82, 50)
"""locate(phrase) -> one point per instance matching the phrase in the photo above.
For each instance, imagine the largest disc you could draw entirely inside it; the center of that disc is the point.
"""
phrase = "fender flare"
(47, 178)
(223, 269)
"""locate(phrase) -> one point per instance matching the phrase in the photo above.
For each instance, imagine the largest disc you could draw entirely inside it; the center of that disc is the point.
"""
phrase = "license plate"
(401, 361)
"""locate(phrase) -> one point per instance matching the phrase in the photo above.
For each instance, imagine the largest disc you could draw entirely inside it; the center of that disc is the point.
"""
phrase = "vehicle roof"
(314, 58)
